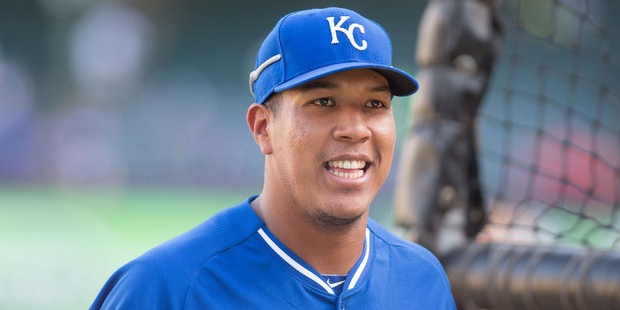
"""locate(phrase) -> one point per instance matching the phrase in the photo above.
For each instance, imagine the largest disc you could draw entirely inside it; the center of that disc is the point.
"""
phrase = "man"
(323, 86)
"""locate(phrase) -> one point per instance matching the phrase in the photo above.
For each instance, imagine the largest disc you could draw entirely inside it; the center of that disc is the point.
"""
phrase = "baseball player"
(323, 85)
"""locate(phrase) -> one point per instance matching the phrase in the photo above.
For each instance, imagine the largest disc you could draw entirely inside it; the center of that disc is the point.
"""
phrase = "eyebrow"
(329, 85)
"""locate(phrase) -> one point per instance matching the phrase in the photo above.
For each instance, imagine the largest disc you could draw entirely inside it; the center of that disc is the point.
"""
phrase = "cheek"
(385, 133)
(385, 136)
(296, 137)
(300, 144)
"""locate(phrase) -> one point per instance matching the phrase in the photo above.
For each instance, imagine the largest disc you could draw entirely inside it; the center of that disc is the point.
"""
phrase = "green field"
(57, 247)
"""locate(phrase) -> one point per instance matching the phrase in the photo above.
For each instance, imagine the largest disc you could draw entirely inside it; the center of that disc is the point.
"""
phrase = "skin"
(316, 213)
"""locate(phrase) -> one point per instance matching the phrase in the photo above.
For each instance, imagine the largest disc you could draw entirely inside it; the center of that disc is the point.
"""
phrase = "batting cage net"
(550, 126)
(548, 152)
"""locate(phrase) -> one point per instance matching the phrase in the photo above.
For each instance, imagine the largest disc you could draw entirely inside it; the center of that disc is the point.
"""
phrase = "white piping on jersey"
(295, 264)
(359, 270)
(309, 274)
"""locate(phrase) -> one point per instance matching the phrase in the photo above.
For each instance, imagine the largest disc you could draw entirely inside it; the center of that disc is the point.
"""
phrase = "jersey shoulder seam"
(194, 276)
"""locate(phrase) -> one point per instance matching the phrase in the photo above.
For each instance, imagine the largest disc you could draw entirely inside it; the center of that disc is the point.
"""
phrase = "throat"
(332, 255)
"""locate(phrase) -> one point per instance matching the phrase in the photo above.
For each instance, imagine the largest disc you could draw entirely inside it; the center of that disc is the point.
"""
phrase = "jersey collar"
(353, 278)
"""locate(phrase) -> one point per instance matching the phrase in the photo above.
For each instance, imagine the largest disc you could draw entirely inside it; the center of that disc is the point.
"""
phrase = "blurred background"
(122, 124)
(136, 93)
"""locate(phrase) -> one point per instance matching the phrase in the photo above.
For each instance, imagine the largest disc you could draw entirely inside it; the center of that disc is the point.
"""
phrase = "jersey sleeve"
(140, 285)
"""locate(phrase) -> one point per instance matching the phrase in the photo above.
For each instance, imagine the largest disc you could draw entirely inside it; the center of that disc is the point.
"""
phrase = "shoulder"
(225, 229)
(402, 265)
(391, 239)
(405, 254)
(160, 277)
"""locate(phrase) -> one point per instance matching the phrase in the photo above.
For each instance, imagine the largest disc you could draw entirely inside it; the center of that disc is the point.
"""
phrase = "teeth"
(348, 175)
(355, 168)
(347, 164)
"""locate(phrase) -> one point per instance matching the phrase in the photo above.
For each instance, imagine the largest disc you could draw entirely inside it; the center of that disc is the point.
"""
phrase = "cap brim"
(401, 83)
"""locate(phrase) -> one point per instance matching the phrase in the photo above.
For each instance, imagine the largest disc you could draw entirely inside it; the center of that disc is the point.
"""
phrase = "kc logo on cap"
(347, 31)
(307, 45)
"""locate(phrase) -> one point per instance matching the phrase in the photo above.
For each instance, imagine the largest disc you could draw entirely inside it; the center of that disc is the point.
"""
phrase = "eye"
(375, 104)
(324, 102)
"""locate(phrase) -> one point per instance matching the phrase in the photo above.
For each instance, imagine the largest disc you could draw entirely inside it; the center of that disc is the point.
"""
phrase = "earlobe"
(258, 117)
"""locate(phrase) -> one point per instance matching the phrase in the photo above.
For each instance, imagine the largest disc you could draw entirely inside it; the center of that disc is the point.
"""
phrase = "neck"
(327, 248)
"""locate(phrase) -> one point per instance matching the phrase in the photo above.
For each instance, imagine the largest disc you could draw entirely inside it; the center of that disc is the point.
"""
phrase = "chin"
(341, 215)
(337, 221)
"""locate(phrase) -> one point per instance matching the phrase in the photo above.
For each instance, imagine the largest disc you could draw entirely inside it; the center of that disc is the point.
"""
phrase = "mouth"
(347, 169)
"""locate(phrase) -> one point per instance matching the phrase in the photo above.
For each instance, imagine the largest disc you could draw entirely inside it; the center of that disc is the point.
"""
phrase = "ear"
(258, 118)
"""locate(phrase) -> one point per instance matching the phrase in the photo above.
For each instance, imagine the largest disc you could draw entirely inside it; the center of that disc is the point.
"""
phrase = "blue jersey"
(232, 261)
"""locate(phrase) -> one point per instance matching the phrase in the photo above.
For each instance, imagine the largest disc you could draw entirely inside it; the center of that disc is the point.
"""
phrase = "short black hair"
(273, 103)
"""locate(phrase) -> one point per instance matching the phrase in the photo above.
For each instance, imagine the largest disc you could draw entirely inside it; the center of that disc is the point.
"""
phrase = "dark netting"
(548, 148)
(550, 126)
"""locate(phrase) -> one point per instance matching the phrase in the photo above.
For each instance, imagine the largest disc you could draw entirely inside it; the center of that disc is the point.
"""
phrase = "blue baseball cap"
(307, 45)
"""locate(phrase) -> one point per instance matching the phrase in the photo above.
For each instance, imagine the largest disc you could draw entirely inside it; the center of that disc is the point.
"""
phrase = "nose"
(352, 126)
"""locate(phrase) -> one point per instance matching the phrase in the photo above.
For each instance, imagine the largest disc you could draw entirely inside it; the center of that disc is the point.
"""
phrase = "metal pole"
(508, 276)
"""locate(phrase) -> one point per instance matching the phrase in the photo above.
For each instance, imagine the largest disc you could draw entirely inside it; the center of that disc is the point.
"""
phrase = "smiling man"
(323, 87)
